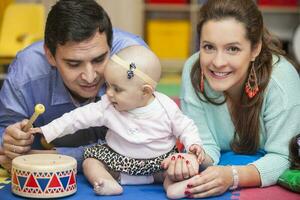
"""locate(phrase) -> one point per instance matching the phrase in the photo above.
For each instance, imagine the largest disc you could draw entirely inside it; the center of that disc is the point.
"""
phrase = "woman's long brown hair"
(246, 112)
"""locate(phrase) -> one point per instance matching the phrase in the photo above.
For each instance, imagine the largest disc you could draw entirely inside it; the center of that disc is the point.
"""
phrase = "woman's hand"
(15, 141)
(213, 181)
(181, 166)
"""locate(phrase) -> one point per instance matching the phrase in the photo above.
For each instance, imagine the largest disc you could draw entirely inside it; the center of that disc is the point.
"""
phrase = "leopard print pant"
(120, 163)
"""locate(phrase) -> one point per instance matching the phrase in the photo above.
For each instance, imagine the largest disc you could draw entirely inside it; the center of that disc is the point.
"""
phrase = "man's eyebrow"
(71, 60)
(75, 60)
(101, 56)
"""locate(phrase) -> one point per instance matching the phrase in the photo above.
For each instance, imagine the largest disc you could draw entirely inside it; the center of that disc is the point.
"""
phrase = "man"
(64, 72)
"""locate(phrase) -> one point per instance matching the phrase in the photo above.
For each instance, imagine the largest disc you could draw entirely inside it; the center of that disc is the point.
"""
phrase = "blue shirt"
(31, 80)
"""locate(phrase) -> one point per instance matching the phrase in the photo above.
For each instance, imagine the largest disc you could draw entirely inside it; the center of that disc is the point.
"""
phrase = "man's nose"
(89, 74)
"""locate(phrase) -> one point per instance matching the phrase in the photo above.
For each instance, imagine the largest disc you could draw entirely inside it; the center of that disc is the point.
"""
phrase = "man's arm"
(17, 97)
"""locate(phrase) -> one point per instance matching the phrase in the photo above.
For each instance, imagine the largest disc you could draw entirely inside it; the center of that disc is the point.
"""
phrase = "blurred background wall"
(156, 20)
(169, 26)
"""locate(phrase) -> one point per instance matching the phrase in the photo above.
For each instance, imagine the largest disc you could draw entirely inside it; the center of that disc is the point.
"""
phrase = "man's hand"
(15, 141)
(5, 162)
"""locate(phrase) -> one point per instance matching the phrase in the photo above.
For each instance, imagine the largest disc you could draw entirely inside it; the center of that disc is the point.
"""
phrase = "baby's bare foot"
(107, 187)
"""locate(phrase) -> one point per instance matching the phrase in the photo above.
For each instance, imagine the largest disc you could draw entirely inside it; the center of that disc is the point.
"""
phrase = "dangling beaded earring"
(201, 82)
(251, 87)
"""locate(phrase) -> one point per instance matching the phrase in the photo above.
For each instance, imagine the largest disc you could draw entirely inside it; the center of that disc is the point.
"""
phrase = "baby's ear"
(148, 89)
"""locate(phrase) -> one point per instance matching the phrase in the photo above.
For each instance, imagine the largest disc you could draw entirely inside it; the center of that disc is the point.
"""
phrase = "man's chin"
(89, 95)
(85, 96)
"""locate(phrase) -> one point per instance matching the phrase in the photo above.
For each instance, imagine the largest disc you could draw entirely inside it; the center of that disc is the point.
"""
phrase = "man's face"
(81, 65)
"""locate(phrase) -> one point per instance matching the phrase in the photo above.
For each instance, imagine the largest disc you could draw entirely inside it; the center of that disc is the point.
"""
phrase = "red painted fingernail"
(179, 156)
(189, 185)
(187, 192)
(173, 158)
(187, 162)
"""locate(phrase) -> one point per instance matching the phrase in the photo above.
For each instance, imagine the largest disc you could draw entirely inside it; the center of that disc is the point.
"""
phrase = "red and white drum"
(43, 175)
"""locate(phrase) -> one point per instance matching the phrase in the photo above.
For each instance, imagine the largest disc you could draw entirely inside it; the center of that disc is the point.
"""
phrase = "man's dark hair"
(75, 20)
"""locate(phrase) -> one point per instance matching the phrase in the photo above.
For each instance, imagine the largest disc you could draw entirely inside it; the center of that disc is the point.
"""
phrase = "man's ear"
(147, 90)
(49, 56)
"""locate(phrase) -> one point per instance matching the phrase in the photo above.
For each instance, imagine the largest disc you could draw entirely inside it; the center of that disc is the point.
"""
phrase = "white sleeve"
(185, 129)
(83, 117)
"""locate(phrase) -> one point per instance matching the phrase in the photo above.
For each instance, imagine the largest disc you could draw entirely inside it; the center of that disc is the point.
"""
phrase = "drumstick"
(38, 109)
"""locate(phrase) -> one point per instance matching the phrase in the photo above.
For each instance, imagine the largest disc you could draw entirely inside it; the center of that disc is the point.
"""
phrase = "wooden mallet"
(38, 109)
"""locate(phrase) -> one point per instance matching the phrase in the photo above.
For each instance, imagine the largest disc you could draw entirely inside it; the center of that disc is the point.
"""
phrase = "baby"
(143, 126)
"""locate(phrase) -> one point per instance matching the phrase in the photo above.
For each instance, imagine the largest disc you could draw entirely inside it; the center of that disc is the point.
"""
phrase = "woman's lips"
(219, 75)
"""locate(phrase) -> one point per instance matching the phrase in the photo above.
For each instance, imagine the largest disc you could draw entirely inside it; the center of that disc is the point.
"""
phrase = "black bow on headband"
(130, 72)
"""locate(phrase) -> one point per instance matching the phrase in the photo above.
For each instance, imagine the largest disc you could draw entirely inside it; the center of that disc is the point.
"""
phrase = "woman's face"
(225, 55)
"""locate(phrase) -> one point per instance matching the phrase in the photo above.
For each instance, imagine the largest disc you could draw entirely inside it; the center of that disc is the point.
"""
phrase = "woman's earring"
(251, 87)
(201, 82)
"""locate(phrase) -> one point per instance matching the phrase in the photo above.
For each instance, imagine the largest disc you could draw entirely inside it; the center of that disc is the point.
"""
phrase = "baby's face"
(125, 94)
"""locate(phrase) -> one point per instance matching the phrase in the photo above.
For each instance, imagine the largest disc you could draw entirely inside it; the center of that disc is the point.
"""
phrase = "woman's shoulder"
(187, 91)
(285, 76)
(284, 85)
(190, 62)
(282, 68)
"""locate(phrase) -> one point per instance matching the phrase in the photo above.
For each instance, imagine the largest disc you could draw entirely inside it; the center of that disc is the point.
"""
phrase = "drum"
(43, 176)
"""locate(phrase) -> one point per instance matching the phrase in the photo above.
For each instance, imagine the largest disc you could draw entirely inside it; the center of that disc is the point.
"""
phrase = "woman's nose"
(219, 60)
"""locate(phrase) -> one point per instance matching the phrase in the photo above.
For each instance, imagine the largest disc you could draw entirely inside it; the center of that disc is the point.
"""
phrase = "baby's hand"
(35, 130)
(198, 151)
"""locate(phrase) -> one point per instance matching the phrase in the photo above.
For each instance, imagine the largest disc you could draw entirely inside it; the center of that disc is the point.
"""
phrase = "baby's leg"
(177, 190)
(100, 178)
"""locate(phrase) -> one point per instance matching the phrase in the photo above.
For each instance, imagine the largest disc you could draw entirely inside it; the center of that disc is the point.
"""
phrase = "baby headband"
(132, 70)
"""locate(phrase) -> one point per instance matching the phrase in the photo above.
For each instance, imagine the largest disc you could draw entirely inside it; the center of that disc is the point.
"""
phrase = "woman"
(243, 95)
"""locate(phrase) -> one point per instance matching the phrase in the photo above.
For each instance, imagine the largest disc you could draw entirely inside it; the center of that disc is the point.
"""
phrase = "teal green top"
(279, 118)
